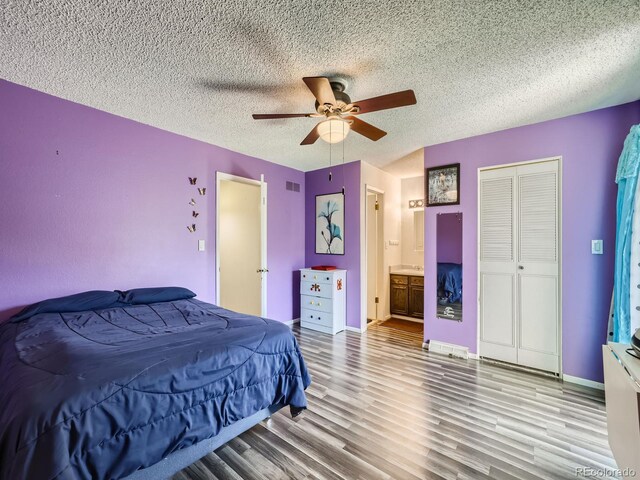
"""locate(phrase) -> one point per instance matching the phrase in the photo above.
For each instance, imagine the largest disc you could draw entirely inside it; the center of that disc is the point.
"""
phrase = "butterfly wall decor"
(194, 214)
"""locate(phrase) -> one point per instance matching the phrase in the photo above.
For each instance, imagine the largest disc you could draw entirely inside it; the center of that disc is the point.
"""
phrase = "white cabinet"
(323, 300)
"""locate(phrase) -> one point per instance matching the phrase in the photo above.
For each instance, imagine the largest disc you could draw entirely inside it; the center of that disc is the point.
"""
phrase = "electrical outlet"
(201, 245)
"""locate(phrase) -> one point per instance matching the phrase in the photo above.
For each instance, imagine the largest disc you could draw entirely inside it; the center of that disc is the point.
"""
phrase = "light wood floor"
(382, 408)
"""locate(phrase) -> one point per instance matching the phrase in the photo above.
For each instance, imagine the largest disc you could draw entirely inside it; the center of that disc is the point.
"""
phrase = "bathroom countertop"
(407, 271)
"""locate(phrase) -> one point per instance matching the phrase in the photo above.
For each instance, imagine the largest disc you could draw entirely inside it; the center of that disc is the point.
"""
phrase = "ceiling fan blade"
(312, 137)
(321, 89)
(366, 129)
(268, 116)
(384, 102)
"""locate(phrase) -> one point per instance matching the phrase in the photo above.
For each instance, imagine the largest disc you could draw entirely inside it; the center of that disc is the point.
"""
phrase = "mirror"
(449, 269)
(418, 230)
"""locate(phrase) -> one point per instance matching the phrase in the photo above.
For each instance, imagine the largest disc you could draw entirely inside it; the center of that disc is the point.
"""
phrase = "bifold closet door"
(519, 265)
(497, 282)
(538, 266)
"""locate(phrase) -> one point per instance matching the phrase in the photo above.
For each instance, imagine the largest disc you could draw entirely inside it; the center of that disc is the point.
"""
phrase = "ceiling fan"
(333, 104)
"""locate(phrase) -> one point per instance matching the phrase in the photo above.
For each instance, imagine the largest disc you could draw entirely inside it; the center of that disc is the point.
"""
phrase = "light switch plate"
(597, 247)
(201, 245)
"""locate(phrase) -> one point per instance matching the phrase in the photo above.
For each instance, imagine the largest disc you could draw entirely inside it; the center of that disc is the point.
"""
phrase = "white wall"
(412, 189)
(390, 185)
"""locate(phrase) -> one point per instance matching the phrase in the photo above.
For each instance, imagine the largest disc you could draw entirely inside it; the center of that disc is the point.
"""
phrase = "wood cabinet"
(407, 295)
(399, 295)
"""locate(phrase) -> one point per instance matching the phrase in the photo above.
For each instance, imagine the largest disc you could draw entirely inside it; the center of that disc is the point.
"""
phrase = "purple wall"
(589, 144)
(90, 200)
(449, 238)
(317, 183)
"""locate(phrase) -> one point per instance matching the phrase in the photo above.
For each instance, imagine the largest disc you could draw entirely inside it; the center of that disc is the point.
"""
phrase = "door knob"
(520, 267)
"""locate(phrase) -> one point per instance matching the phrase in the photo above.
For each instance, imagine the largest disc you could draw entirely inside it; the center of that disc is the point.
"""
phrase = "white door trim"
(557, 158)
(221, 176)
(363, 251)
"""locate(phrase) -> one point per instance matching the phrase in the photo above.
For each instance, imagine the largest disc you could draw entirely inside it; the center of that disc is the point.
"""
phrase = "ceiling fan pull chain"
(343, 142)
(330, 147)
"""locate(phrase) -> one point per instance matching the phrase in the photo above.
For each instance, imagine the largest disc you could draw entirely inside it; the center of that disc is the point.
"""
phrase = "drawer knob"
(311, 302)
(315, 276)
(319, 304)
(310, 316)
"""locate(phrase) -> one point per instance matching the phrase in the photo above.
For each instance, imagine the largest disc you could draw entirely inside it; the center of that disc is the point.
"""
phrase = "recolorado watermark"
(605, 472)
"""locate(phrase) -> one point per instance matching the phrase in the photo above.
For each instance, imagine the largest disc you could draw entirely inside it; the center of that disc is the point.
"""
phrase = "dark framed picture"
(330, 224)
(443, 185)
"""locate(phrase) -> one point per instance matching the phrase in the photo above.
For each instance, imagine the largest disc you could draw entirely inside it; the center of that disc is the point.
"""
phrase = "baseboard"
(582, 381)
(354, 329)
(291, 323)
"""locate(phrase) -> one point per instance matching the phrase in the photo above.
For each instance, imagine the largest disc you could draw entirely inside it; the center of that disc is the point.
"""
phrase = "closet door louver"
(538, 217)
(497, 264)
(538, 281)
(496, 228)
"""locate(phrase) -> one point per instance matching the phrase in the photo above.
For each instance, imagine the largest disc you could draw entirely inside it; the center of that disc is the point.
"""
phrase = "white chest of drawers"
(323, 300)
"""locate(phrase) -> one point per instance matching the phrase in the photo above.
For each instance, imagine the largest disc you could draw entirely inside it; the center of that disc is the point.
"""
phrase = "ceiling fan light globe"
(334, 130)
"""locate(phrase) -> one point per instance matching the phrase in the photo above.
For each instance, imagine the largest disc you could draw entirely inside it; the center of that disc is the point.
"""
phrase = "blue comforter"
(450, 282)
(99, 394)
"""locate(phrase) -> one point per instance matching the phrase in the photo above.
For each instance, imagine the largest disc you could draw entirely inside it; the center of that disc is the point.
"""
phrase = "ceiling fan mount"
(335, 105)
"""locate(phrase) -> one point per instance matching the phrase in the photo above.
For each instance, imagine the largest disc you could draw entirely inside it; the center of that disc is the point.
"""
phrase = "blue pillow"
(80, 302)
(141, 296)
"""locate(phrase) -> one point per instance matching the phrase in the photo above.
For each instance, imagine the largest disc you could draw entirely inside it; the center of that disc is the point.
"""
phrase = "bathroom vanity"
(407, 293)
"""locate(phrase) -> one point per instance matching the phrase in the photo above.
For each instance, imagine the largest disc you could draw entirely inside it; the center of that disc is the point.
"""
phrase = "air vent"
(293, 186)
(450, 349)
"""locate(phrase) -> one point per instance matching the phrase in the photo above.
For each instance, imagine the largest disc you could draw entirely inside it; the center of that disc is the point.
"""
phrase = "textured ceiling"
(201, 68)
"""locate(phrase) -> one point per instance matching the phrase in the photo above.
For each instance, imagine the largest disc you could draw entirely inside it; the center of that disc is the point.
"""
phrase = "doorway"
(375, 253)
(519, 234)
(241, 240)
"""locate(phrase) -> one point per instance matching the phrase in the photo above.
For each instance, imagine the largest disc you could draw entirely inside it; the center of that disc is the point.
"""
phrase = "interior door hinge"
(377, 300)
(377, 205)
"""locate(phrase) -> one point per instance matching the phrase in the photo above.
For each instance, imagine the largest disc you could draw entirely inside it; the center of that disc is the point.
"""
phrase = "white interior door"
(538, 266)
(241, 244)
(264, 270)
(519, 265)
(372, 256)
(497, 280)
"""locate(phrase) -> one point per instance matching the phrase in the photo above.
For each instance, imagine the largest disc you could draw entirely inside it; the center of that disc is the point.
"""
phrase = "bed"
(449, 283)
(137, 389)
